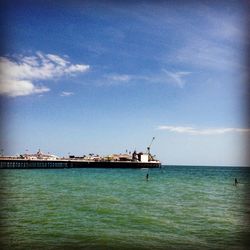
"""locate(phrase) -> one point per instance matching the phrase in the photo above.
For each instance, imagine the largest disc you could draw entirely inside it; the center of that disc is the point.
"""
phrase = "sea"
(178, 207)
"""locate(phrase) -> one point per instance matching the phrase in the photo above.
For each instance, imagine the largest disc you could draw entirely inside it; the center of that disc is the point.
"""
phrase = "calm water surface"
(177, 208)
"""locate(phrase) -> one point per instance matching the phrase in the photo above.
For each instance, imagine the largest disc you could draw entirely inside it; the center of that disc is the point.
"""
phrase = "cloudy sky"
(85, 77)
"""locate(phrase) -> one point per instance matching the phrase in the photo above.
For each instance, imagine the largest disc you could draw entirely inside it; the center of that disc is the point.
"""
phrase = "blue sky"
(102, 77)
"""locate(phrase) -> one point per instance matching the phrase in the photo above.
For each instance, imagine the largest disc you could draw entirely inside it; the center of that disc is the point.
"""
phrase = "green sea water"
(177, 208)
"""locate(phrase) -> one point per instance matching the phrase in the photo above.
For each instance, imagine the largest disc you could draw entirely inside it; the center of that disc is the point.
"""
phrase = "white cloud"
(164, 76)
(210, 131)
(73, 68)
(20, 88)
(119, 78)
(222, 25)
(57, 59)
(19, 75)
(204, 53)
(114, 79)
(177, 77)
(215, 42)
(65, 93)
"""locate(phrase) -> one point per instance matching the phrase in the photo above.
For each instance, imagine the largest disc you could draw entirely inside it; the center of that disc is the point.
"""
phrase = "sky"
(80, 77)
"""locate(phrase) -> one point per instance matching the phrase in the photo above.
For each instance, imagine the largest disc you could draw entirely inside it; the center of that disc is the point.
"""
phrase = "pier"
(59, 164)
(29, 164)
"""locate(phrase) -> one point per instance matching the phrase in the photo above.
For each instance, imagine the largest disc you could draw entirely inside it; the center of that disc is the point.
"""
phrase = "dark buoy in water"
(147, 176)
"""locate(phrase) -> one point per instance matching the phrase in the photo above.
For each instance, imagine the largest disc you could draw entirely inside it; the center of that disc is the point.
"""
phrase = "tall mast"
(148, 148)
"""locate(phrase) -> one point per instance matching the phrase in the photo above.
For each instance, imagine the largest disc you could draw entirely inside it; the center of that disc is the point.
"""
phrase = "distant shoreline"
(212, 166)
